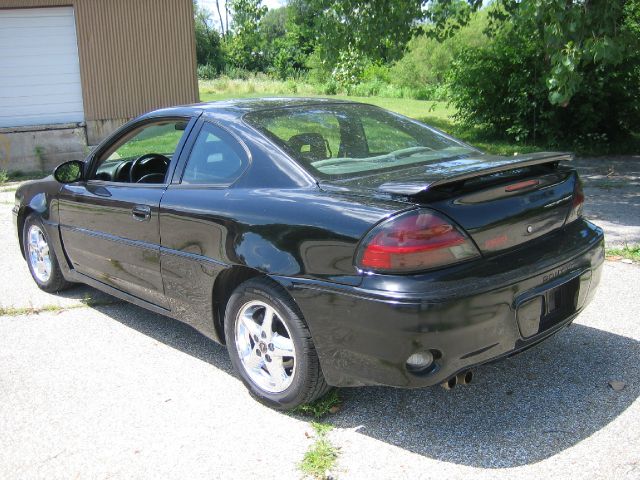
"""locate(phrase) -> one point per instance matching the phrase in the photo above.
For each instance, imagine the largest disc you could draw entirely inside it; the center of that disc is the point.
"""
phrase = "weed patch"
(629, 252)
(323, 406)
(84, 303)
(322, 455)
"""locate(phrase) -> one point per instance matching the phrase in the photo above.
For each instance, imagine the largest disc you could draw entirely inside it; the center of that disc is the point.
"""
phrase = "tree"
(246, 44)
(554, 75)
(208, 41)
(376, 29)
(289, 38)
(273, 24)
(575, 35)
(223, 30)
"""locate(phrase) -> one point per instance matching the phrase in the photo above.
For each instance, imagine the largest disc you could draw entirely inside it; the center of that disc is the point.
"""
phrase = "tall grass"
(256, 85)
(247, 84)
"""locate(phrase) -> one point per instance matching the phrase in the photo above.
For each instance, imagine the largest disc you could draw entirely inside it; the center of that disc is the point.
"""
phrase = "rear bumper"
(467, 314)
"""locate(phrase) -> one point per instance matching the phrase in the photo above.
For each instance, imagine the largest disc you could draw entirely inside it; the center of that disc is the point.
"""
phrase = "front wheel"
(41, 259)
(270, 346)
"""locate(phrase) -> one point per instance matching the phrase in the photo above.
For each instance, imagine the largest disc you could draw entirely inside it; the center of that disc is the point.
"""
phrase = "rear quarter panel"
(297, 232)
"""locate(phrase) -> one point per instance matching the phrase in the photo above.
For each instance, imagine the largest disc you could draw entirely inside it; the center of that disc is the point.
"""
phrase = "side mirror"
(69, 172)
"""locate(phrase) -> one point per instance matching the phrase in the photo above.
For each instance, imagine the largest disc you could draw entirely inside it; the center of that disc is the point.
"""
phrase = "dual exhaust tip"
(463, 378)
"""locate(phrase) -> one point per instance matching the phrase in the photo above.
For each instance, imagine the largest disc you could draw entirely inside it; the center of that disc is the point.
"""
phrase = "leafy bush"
(427, 61)
(236, 73)
(207, 72)
(330, 88)
(502, 87)
(4, 176)
(376, 72)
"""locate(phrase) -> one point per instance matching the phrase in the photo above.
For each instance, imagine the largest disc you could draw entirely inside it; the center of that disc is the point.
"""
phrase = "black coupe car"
(324, 242)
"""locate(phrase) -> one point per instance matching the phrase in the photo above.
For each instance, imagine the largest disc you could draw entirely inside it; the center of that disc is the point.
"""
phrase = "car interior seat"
(318, 146)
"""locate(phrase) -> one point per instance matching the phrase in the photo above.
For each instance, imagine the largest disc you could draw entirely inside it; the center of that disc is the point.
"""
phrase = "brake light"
(416, 240)
(577, 203)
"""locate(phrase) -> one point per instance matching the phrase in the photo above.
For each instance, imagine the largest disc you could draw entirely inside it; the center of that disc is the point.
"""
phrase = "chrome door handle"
(142, 213)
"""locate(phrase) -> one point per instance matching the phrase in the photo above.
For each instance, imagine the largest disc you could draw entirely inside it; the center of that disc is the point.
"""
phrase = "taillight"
(414, 241)
(577, 202)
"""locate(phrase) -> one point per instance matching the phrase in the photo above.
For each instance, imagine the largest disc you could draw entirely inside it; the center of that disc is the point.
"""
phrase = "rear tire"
(277, 360)
(41, 259)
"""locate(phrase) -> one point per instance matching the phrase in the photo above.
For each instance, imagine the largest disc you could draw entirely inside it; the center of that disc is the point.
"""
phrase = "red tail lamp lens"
(577, 204)
(416, 240)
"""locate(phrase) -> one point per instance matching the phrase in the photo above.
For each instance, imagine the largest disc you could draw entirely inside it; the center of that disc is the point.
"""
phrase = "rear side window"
(216, 158)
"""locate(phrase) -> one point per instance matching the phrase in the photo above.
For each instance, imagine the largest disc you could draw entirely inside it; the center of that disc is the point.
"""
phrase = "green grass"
(323, 406)
(257, 86)
(630, 252)
(322, 455)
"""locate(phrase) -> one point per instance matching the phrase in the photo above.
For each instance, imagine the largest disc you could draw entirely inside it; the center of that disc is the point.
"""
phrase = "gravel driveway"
(114, 391)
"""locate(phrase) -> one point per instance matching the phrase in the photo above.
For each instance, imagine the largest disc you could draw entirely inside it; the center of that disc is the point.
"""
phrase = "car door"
(196, 221)
(109, 222)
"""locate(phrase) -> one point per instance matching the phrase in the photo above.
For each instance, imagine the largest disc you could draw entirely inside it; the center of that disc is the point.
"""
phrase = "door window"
(216, 158)
(142, 155)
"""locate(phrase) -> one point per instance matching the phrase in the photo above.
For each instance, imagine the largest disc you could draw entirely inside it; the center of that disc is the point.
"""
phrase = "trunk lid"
(500, 201)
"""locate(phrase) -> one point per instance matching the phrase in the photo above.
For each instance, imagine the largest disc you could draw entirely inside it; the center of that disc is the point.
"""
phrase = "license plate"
(559, 303)
(548, 308)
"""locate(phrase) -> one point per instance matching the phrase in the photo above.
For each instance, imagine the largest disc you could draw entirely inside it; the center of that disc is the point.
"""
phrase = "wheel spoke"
(250, 325)
(252, 361)
(33, 240)
(276, 372)
(267, 322)
(282, 346)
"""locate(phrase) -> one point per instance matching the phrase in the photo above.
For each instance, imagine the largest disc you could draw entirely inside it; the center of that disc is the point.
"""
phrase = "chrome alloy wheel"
(39, 256)
(265, 346)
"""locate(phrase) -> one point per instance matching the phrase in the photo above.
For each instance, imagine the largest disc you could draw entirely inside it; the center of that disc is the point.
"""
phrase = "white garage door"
(39, 70)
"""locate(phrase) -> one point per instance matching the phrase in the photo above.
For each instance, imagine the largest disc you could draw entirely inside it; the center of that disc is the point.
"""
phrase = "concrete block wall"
(42, 147)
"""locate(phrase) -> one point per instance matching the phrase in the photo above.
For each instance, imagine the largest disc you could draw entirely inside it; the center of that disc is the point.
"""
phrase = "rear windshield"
(350, 140)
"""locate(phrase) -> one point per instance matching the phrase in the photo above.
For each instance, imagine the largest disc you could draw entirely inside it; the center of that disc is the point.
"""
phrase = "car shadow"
(167, 330)
(516, 412)
(88, 295)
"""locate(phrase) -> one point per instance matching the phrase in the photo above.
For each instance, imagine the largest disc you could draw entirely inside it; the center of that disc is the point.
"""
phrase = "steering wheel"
(143, 160)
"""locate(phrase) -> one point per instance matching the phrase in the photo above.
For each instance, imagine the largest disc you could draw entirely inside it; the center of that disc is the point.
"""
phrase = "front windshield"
(349, 140)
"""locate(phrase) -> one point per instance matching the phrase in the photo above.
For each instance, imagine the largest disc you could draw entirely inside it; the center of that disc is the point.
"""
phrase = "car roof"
(238, 107)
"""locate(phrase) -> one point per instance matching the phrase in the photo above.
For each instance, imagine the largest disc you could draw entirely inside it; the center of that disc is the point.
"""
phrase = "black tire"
(56, 281)
(308, 383)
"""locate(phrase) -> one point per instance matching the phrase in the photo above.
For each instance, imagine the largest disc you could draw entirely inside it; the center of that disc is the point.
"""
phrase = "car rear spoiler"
(465, 169)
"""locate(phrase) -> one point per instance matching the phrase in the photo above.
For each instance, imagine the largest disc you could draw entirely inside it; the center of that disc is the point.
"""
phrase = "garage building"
(71, 71)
